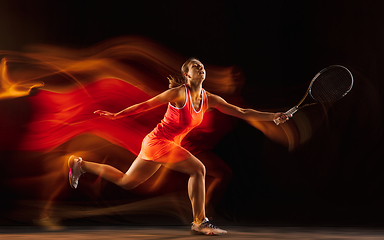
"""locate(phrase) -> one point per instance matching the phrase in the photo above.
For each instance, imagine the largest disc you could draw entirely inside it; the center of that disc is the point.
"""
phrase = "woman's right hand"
(105, 114)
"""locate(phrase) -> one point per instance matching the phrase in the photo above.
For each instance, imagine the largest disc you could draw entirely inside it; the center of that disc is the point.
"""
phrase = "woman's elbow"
(243, 113)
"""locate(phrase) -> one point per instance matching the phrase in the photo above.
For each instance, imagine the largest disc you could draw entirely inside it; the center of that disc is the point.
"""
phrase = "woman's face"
(196, 71)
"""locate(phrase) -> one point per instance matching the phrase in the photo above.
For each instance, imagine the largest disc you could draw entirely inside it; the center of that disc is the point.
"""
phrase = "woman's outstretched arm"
(247, 114)
(170, 95)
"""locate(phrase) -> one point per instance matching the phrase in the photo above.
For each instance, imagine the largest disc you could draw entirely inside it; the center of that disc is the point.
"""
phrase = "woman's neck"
(195, 89)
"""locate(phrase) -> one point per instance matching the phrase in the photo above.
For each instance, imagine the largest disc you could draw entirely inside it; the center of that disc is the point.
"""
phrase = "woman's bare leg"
(196, 184)
(138, 173)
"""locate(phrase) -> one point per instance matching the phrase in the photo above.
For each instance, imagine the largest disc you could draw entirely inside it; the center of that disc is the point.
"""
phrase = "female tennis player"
(187, 103)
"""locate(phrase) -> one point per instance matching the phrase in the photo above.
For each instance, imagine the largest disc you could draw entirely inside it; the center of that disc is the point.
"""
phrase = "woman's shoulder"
(178, 94)
(176, 90)
(179, 89)
(214, 99)
(211, 95)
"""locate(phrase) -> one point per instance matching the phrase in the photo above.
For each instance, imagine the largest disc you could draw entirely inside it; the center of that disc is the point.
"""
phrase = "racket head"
(331, 84)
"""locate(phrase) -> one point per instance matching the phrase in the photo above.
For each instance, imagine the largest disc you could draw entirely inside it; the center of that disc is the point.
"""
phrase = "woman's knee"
(191, 166)
(199, 170)
(129, 185)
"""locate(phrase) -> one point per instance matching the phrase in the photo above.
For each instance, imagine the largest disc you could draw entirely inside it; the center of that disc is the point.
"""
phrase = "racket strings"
(331, 85)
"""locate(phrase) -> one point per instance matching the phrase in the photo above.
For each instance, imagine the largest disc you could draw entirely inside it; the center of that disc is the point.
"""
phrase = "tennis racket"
(328, 86)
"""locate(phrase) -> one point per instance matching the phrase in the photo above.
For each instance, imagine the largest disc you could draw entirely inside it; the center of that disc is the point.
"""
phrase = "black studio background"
(336, 177)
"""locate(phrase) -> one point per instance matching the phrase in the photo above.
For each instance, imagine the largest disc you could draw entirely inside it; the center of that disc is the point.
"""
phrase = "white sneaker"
(75, 171)
(206, 228)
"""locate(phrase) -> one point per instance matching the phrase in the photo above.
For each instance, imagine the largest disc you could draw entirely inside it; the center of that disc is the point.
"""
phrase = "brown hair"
(177, 80)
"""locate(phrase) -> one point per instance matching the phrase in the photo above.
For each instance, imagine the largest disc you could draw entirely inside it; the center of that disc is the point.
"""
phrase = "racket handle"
(289, 113)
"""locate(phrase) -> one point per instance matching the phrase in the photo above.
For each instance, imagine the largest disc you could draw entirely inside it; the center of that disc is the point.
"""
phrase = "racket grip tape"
(289, 113)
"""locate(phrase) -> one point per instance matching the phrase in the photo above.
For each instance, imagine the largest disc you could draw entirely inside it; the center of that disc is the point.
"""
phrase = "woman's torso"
(177, 122)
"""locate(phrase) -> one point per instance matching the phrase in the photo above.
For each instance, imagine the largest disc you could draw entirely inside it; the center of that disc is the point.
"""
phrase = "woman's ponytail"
(175, 81)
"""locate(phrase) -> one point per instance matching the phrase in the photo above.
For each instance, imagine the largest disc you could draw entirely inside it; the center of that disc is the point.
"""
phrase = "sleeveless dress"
(163, 143)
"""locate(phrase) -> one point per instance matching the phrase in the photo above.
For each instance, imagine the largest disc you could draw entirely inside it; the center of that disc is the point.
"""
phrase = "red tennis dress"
(163, 143)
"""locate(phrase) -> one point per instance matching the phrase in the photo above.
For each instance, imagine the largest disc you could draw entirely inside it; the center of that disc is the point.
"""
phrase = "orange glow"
(284, 134)
(136, 60)
(12, 89)
(110, 76)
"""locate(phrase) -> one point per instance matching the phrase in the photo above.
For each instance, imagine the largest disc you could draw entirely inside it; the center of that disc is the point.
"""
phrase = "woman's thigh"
(140, 171)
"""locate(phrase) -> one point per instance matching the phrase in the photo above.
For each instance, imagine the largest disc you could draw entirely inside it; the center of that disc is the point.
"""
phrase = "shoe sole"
(193, 232)
(72, 157)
